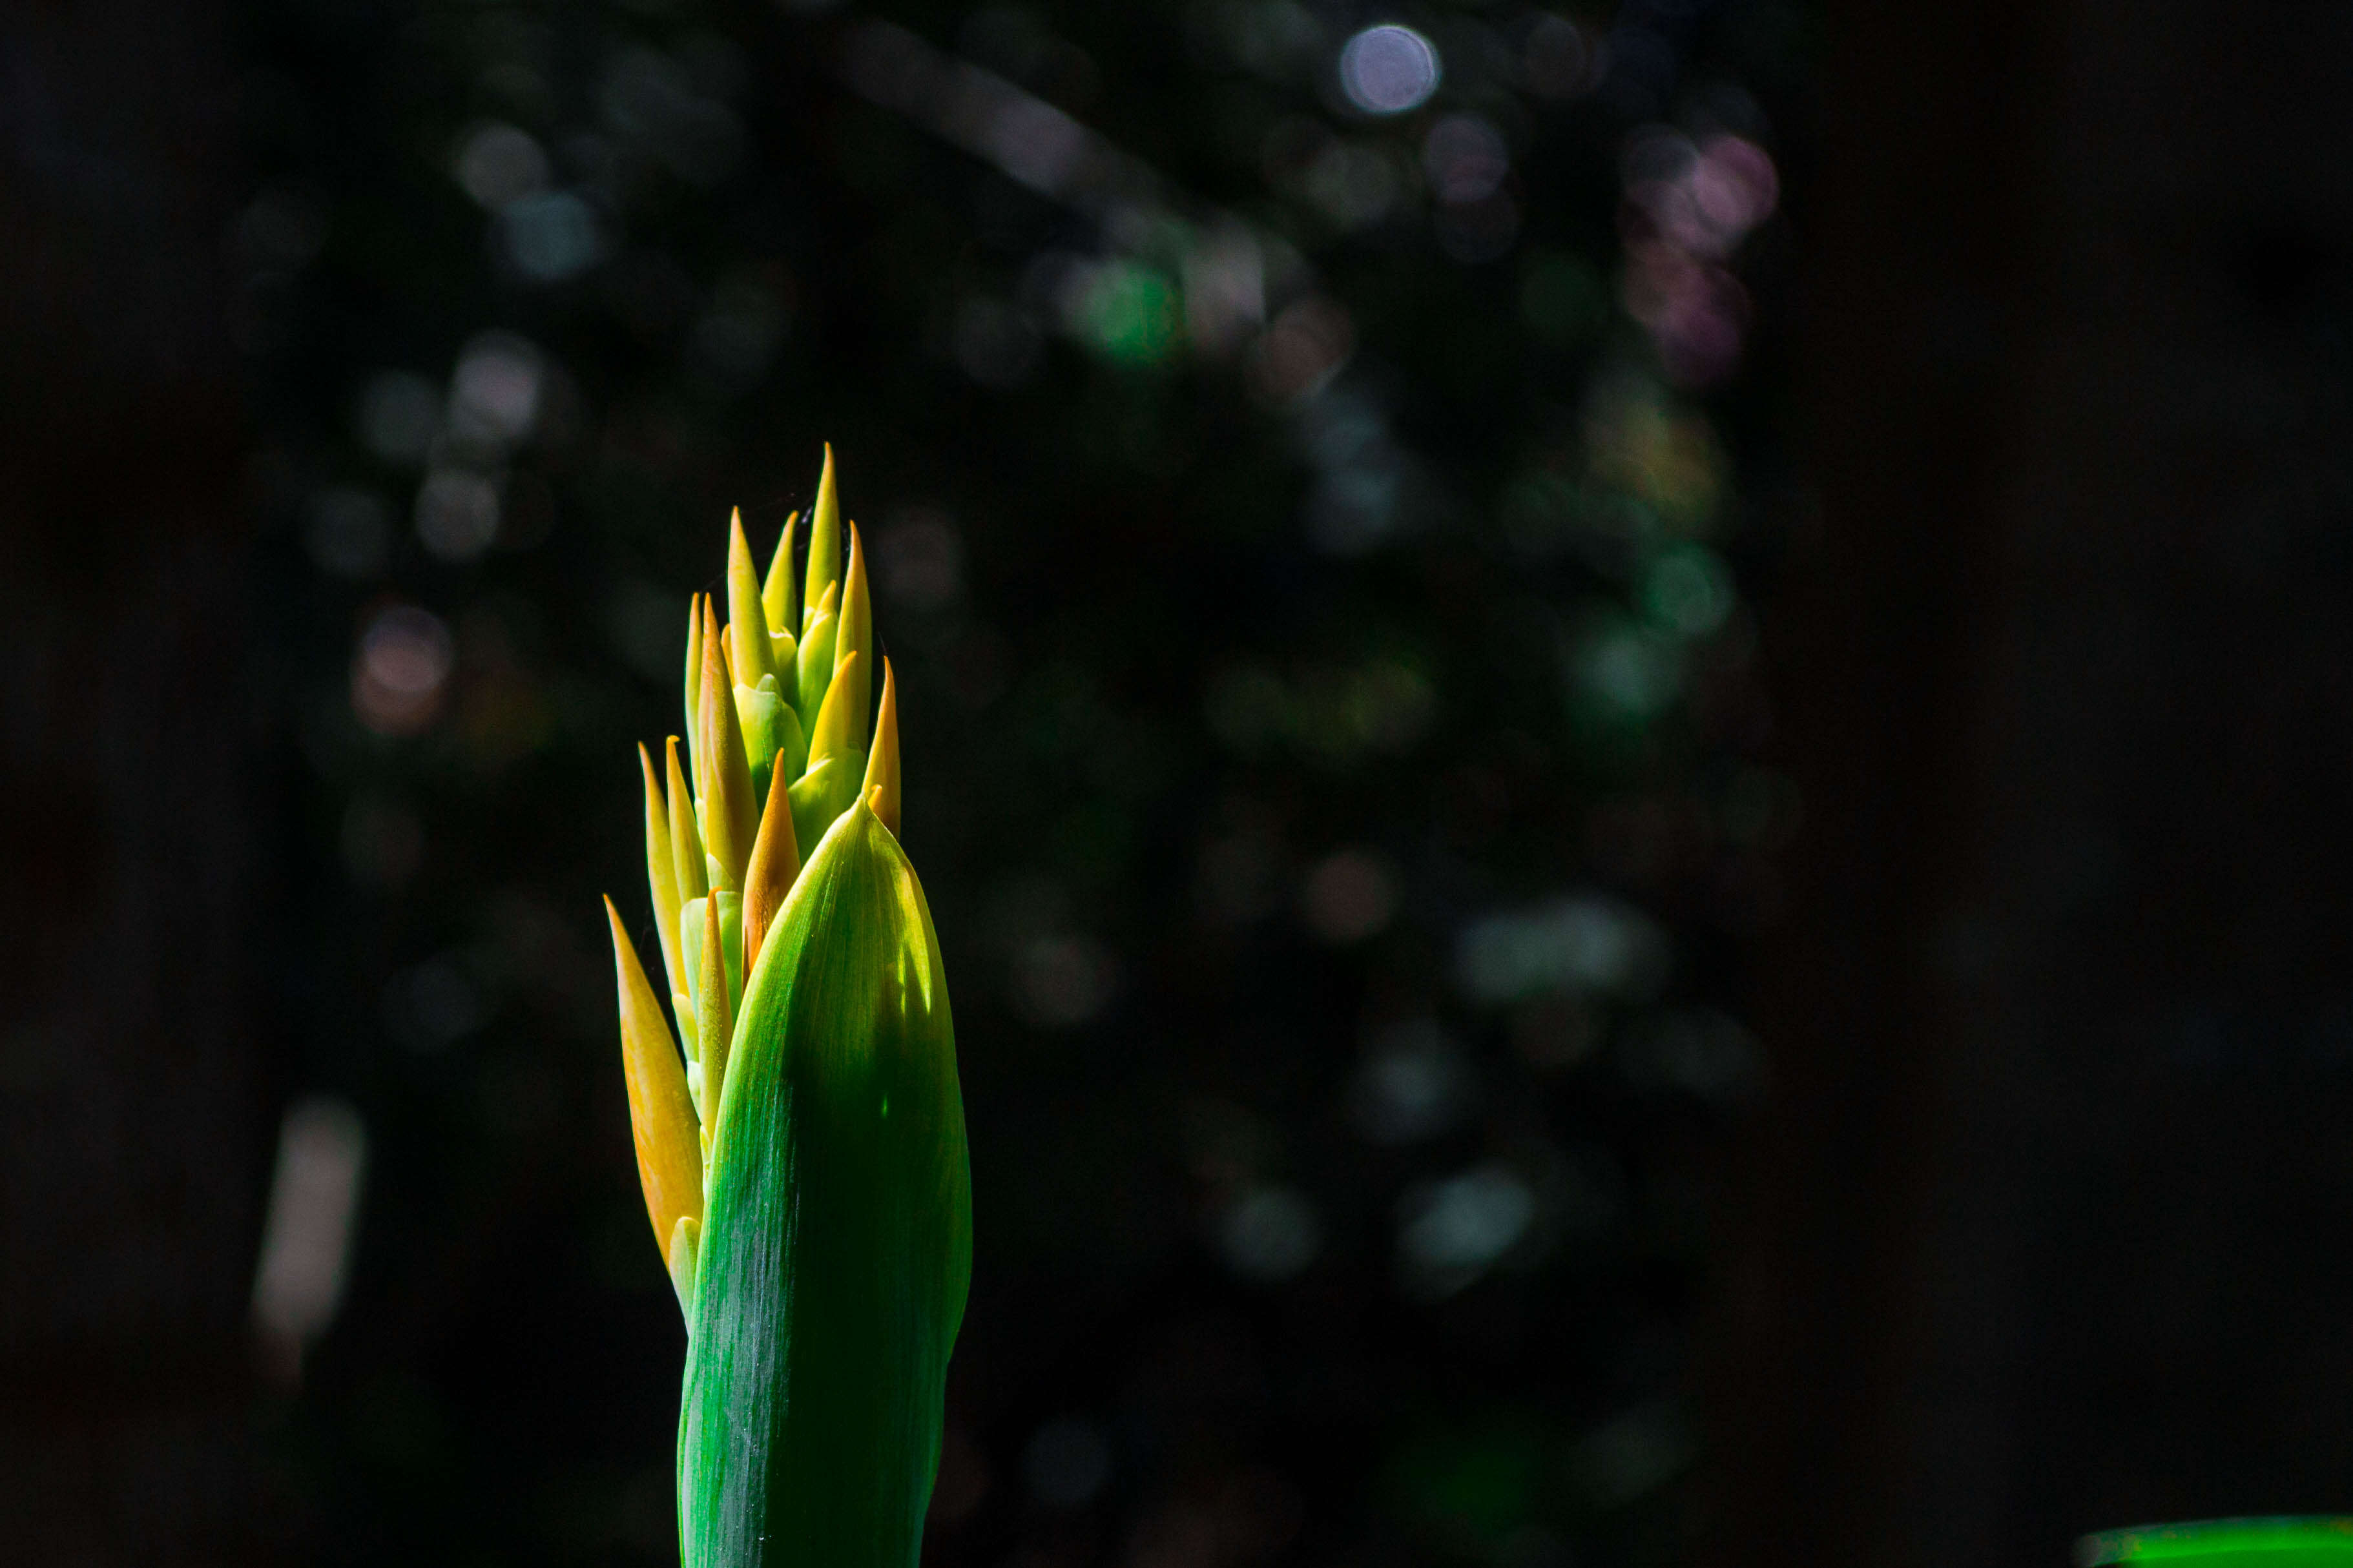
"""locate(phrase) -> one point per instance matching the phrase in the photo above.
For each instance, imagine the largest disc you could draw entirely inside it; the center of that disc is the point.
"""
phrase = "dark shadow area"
(2048, 1223)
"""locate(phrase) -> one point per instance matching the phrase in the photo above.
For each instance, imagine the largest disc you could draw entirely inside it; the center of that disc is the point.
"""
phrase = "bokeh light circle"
(1389, 69)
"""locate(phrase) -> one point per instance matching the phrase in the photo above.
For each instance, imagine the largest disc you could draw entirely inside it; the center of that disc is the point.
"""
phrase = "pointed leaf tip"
(855, 637)
(661, 871)
(841, 716)
(729, 817)
(775, 863)
(685, 1247)
(881, 785)
(747, 619)
(776, 598)
(694, 685)
(685, 842)
(662, 1117)
(825, 540)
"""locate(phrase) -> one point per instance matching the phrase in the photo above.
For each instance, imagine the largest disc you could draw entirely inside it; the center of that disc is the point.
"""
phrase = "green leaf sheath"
(836, 1246)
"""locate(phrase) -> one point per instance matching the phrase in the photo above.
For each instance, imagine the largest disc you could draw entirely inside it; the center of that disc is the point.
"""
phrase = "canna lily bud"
(837, 1246)
(804, 1167)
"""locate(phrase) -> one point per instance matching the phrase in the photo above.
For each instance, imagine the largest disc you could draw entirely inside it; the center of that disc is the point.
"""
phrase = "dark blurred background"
(1630, 728)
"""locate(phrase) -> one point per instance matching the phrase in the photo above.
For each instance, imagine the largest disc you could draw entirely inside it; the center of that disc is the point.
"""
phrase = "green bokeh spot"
(1129, 314)
(1689, 591)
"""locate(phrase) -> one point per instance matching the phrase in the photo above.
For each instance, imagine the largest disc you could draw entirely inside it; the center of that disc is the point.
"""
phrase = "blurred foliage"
(1310, 541)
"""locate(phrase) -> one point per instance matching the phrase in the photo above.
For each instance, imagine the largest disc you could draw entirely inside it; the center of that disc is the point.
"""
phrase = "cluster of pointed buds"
(803, 1159)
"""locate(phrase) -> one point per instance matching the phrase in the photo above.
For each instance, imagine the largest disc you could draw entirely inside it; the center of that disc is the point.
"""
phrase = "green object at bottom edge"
(2223, 1542)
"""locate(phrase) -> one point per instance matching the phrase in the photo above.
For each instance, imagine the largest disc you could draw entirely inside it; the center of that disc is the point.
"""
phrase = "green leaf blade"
(2272, 1542)
(837, 1249)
